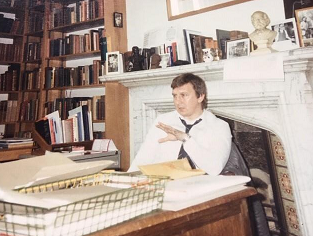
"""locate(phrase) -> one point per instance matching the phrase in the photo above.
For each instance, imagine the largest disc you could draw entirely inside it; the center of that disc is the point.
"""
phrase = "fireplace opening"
(265, 157)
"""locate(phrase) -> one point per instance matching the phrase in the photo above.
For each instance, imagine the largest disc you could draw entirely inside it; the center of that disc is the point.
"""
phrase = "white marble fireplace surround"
(282, 107)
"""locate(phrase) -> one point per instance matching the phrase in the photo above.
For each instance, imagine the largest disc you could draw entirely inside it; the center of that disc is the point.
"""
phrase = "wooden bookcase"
(11, 39)
(116, 95)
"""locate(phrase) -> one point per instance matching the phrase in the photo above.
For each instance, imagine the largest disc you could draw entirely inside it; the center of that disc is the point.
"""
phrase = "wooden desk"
(13, 153)
(223, 216)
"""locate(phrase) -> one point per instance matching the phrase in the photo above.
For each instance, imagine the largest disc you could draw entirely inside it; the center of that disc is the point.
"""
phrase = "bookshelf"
(45, 25)
(11, 39)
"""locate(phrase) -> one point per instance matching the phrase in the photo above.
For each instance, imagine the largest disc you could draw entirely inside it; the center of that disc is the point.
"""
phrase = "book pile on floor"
(8, 143)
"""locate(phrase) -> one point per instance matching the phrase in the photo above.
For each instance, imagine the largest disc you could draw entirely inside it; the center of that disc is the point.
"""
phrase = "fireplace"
(265, 157)
(280, 108)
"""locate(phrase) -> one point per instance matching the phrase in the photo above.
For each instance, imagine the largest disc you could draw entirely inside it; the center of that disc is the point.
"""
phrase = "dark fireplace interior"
(264, 155)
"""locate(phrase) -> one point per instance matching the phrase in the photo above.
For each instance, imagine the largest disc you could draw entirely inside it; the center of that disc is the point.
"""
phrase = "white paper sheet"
(52, 173)
(186, 192)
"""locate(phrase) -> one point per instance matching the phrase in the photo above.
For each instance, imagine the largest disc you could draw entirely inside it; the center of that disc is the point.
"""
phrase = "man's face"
(186, 101)
(258, 21)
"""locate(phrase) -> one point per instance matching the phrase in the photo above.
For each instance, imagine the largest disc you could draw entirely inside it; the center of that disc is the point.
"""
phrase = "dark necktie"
(182, 152)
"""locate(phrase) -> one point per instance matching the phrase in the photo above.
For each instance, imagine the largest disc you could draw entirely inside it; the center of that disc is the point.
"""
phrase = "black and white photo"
(113, 63)
(287, 35)
(118, 19)
(238, 48)
(305, 26)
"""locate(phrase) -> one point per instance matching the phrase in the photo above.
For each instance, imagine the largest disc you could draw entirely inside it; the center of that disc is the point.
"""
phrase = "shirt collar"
(190, 121)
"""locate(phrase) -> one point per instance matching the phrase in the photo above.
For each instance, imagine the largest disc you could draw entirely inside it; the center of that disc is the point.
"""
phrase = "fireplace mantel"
(299, 60)
(283, 107)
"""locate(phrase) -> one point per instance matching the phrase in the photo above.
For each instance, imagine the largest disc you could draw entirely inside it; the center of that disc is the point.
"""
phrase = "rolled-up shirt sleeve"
(210, 149)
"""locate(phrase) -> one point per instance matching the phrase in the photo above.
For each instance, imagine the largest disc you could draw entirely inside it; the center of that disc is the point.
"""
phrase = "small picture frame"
(287, 35)
(304, 18)
(189, 35)
(237, 48)
(118, 19)
(222, 36)
(165, 60)
(114, 63)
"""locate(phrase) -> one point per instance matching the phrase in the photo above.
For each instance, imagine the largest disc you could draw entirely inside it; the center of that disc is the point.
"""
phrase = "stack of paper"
(187, 192)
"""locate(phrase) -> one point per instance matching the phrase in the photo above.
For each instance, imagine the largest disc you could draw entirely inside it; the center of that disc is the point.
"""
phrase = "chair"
(236, 166)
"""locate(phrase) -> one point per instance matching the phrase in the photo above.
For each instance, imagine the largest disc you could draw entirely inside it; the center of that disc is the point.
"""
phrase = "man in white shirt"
(206, 144)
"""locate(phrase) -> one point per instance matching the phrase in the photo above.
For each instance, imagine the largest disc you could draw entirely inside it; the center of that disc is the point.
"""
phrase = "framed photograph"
(195, 42)
(189, 35)
(114, 63)
(292, 5)
(287, 35)
(182, 8)
(222, 37)
(118, 19)
(305, 27)
(237, 48)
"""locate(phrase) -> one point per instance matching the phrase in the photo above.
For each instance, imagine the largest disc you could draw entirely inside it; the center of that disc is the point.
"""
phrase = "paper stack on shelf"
(8, 143)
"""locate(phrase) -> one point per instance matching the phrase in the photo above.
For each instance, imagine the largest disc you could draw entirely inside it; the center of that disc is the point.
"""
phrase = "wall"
(144, 15)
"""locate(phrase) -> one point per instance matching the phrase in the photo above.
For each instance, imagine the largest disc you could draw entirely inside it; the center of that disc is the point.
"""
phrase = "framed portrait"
(292, 5)
(195, 42)
(237, 48)
(287, 35)
(118, 19)
(189, 36)
(305, 26)
(182, 8)
(114, 63)
(222, 37)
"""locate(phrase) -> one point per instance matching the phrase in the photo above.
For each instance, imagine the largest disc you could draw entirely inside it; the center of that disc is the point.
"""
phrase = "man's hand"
(172, 134)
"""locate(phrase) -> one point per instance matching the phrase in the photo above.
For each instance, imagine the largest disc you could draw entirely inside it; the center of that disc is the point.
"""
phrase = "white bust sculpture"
(261, 36)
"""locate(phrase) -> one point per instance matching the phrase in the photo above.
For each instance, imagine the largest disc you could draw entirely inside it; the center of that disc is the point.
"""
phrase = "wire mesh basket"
(129, 196)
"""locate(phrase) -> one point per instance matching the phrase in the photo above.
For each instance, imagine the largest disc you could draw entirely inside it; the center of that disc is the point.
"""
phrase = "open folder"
(177, 169)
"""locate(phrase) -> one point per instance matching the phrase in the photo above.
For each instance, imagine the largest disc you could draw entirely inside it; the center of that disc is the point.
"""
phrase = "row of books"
(63, 105)
(98, 107)
(9, 25)
(74, 76)
(10, 52)
(76, 12)
(9, 80)
(76, 128)
(35, 22)
(95, 104)
(34, 3)
(32, 51)
(31, 79)
(9, 111)
(29, 110)
(73, 44)
(12, 3)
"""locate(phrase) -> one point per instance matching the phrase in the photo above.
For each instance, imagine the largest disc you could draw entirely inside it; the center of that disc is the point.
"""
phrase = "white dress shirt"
(208, 147)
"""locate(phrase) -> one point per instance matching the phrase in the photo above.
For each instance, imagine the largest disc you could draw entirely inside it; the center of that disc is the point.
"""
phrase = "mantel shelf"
(294, 60)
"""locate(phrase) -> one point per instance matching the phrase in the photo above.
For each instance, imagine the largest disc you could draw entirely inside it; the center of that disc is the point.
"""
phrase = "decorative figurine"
(155, 61)
(136, 59)
(262, 37)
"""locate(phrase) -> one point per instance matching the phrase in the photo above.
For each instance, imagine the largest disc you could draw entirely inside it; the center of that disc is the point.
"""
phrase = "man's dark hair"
(197, 83)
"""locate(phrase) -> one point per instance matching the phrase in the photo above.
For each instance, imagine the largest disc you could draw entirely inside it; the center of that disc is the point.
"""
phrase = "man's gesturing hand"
(172, 134)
